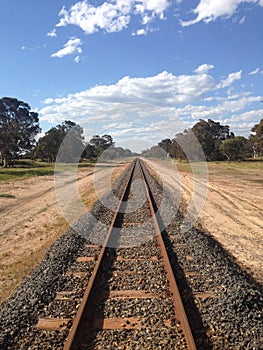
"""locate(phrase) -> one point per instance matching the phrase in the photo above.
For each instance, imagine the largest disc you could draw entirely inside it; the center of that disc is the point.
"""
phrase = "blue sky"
(140, 70)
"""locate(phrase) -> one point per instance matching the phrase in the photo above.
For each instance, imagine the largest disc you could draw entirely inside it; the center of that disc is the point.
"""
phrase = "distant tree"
(66, 137)
(210, 135)
(256, 139)
(185, 146)
(165, 145)
(89, 152)
(101, 143)
(18, 128)
(154, 152)
(47, 146)
(72, 146)
(235, 149)
(175, 149)
(116, 152)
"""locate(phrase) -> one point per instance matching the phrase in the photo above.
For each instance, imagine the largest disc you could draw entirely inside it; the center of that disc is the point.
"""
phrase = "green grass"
(225, 167)
(6, 195)
(18, 173)
(28, 168)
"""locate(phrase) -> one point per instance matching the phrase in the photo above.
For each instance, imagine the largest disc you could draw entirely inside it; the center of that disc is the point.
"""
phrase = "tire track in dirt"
(232, 213)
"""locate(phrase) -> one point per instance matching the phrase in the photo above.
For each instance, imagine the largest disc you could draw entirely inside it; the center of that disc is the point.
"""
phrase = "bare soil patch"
(232, 213)
(31, 219)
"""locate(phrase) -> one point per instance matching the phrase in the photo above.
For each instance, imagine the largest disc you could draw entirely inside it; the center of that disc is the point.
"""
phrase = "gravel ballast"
(230, 318)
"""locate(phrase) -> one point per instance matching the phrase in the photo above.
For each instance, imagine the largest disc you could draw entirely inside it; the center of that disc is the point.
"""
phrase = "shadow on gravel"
(192, 312)
(214, 245)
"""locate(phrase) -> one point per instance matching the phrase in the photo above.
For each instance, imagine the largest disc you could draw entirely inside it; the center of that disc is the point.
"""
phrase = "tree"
(72, 147)
(117, 152)
(101, 143)
(256, 139)
(235, 149)
(66, 138)
(47, 146)
(210, 135)
(154, 152)
(89, 152)
(18, 128)
(165, 145)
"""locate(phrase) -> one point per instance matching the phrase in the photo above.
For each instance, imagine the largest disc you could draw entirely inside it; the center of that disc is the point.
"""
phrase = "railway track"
(124, 306)
(120, 294)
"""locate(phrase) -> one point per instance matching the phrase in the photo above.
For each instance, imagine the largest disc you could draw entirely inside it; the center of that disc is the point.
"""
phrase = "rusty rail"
(177, 301)
(70, 343)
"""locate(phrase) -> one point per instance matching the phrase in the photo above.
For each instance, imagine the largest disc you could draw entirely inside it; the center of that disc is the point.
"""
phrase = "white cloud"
(108, 16)
(164, 89)
(140, 32)
(224, 108)
(230, 79)
(242, 21)
(210, 10)
(204, 68)
(111, 16)
(48, 101)
(72, 46)
(256, 114)
(256, 71)
(129, 106)
(77, 59)
(52, 33)
(156, 8)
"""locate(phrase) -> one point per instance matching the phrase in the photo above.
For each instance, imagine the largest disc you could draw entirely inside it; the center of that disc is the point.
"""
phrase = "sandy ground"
(231, 211)
(232, 208)
(33, 220)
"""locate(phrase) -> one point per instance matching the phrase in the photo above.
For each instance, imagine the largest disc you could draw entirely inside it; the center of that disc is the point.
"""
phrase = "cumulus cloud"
(164, 89)
(159, 101)
(111, 16)
(151, 9)
(72, 46)
(230, 79)
(204, 68)
(209, 10)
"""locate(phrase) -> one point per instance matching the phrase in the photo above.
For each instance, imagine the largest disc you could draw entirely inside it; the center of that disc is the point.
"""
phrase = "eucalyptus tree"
(18, 129)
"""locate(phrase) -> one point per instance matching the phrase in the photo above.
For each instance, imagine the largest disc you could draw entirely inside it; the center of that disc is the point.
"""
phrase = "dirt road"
(232, 211)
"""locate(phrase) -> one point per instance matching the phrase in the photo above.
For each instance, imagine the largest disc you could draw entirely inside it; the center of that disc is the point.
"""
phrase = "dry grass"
(14, 273)
(24, 244)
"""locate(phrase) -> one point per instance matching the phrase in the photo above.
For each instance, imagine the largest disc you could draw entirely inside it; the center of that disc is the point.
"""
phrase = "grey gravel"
(231, 319)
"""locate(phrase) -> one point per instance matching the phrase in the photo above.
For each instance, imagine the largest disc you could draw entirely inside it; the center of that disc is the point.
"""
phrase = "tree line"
(19, 127)
(216, 140)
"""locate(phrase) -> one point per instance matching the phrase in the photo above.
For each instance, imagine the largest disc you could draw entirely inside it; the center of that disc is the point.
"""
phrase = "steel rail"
(71, 341)
(177, 301)
(69, 344)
